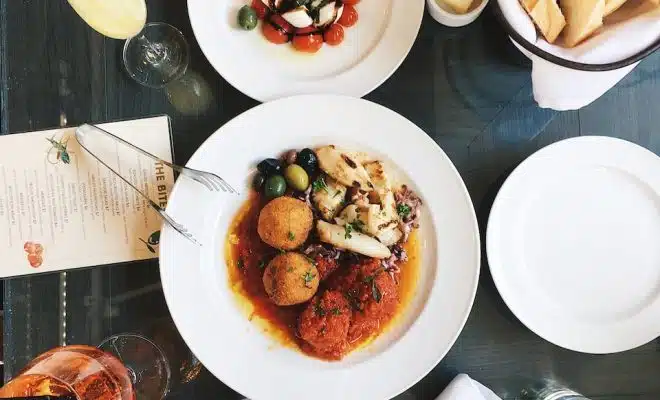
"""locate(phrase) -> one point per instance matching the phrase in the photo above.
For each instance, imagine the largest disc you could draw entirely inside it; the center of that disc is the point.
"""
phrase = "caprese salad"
(307, 24)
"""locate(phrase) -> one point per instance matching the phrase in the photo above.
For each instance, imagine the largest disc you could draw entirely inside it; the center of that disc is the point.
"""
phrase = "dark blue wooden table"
(468, 88)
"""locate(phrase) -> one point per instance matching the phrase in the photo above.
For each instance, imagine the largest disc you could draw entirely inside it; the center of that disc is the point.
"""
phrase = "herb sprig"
(355, 226)
(375, 291)
(319, 184)
(403, 210)
(308, 277)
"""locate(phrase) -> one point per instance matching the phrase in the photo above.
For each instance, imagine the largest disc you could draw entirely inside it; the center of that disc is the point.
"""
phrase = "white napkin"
(465, 388)
(628, 31)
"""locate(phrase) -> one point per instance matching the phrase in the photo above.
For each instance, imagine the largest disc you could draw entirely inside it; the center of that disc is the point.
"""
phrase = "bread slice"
(583, 18)
(613, 5)
(548, 18)
(460, 6)
(528, 5)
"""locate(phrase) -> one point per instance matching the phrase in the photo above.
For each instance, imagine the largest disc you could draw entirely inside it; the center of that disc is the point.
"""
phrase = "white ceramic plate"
(236, 350)
(573, 244)
(372, 50)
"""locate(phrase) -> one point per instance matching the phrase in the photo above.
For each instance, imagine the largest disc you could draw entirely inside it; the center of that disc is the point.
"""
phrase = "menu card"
(61, 209)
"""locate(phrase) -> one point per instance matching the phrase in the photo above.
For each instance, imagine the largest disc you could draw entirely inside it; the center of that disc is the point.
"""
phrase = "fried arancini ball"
(285, 223)
(324, 324)
(290, 278)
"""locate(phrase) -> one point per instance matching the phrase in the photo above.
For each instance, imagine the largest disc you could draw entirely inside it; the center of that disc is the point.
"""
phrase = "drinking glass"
(123, 367)
(549, 390)
(77, 372)
(154, 53)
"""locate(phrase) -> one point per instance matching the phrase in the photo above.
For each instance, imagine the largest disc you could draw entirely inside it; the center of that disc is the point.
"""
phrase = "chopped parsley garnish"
(319, 184)
(335, 311)
(262, 264)
(308, 277)
(403, 210)
(291, 236)
(240, 263)
(351, 296)
(282, 251)
(318, 310)
(355, 226)
(289, 269)
(375, 291)
(348, 228)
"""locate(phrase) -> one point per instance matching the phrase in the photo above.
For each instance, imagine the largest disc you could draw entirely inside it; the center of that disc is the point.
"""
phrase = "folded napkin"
(465, 388)
(631, 29)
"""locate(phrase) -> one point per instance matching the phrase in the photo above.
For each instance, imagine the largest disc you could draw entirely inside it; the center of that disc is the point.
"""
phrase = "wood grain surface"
(468, 88)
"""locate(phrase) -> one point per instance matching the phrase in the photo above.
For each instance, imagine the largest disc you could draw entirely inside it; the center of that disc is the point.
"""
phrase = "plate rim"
(497, 271)
(329, 87)
(475, 240)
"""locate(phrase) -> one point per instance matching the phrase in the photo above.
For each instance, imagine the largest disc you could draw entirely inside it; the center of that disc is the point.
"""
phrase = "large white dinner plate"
(236, 350)
(372, 50)
(573, 244)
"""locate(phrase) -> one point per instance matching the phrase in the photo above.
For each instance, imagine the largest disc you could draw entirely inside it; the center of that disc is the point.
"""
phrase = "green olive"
(296, 177)
(275, 186)
(247, 18)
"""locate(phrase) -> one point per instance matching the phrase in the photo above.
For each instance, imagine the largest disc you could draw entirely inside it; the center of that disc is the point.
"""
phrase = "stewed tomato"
(349, 17)
(260, 8)
(351, 2)
(308, 40)
(334, 35)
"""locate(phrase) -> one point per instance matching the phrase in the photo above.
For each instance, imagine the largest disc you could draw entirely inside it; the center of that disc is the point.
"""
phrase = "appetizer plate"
(372, 50)
(572, 244)
(214, 324)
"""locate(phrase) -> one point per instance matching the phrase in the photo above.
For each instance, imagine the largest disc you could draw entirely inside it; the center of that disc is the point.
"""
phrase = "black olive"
(307, 159)
(270, 167)
(258, 181)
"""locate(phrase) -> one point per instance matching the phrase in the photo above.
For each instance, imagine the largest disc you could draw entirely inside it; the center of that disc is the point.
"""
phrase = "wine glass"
(154, 53)
(123, 367)
(145, 361)
(72, 372)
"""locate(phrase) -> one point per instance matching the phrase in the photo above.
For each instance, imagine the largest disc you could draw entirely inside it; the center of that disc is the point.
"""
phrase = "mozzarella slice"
(327, 14)
(298, 17)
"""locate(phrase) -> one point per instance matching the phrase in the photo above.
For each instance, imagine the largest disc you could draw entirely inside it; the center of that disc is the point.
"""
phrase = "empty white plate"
(573, 244)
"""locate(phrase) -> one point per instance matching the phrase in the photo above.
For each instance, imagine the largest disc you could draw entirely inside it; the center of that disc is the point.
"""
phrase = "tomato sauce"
(247, 257)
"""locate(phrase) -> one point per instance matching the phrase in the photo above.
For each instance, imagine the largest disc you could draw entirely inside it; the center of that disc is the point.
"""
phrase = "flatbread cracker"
(548, 17)
(460, 6)
(613, 5)
(583, 18)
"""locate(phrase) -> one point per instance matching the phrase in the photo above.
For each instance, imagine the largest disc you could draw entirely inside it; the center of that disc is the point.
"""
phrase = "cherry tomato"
(308, 43)
(334, 35)
(260, 8)
(349, 17)
(281, 22)
(351, 2)
(273, 34)
(309, 29)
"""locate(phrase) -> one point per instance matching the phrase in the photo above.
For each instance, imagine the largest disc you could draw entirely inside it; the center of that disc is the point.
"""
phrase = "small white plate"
(372, 50)
(573, 244)
(236, 350)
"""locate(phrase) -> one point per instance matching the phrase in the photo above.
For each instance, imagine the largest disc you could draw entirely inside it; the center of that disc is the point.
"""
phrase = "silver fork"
(207, 179)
